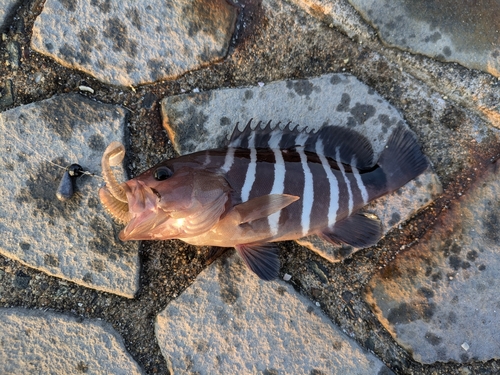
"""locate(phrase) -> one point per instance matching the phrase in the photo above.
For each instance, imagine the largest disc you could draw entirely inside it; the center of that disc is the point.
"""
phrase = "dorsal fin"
(335, 142)
(343, 145)
(269, 136)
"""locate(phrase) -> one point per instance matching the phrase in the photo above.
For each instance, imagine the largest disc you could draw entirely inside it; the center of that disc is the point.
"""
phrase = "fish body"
(269, 185)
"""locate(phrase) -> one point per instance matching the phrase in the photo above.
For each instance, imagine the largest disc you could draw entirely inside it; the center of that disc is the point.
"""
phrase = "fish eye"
(162, 173)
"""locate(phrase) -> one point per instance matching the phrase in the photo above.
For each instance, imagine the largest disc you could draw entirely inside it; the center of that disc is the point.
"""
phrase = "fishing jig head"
(66, 187)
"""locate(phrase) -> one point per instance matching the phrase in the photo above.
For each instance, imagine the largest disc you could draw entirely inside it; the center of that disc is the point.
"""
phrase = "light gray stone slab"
(468, 34)
(75, 239)
(198, 121)
(230, 322)
(439, 299)
(5, 7)
(36, 342)
(470, 90)
(130, 42)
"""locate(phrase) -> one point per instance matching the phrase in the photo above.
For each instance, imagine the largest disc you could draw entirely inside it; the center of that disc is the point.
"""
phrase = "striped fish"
(268, 185)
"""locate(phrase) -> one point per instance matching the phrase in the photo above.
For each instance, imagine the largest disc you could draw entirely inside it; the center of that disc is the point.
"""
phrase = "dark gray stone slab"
(198, 121)
(6, 94)
(440, 298)
(5, 7)
(467, 33)
(130, 42)
(75, 239)
(476, 92)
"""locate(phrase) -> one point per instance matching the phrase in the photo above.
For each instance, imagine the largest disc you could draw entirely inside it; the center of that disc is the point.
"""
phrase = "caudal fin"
(402, 159)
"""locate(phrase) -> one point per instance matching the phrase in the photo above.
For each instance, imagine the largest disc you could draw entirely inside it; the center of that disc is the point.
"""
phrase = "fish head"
(170, 200)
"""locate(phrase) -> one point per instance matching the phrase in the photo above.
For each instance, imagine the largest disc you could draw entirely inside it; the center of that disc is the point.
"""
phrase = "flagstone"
(230, 322)
(75, 239)
(6, 7)
(439, 299)
(43, 342)
(468, 34)
(132, 43)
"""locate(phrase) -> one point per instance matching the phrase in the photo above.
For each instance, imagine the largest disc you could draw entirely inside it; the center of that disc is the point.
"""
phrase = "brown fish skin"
(269, 185)
(187, 204)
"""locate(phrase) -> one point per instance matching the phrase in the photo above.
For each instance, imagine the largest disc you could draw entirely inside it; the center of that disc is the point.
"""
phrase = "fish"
(269, 184)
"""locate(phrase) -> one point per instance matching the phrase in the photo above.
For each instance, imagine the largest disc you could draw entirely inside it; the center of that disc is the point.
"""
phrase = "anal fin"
(262, 259)
(358, 230)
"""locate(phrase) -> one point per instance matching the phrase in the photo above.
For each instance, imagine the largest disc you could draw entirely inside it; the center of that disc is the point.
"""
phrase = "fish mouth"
(113, 196)
(130, 203)
(145, 226)
(156, 193)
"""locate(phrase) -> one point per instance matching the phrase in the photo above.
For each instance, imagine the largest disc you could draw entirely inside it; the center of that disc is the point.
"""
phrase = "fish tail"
(402, 159)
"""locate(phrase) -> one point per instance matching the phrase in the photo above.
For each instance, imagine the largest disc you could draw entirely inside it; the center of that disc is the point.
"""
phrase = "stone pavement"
(175, 77)
(441, 300)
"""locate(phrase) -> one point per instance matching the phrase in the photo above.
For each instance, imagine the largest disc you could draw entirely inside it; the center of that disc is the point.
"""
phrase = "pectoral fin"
(215, 252)
(261, 259)
(358, 230)
(263, 206)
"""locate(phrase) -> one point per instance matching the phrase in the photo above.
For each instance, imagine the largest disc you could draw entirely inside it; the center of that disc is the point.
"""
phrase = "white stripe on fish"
(229, 160)
(359, 182)
(332, 180)
(279, 181)
(207, 159)
(308, 195)
(275, 139)
(347, 182)
(251, 170)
